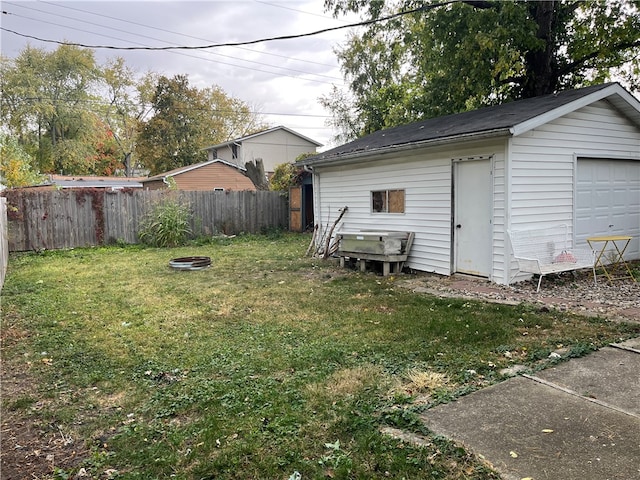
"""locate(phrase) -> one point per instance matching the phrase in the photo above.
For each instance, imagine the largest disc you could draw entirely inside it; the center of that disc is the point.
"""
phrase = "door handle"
(458, 226)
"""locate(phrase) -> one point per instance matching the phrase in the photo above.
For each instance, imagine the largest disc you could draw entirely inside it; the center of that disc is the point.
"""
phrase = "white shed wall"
(426, 179)
(543, 162)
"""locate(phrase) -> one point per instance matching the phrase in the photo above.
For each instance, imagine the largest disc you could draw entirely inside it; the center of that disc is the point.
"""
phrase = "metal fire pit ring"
(190, 263)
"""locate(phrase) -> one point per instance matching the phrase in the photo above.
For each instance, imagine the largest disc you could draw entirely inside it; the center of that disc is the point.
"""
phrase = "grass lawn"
(266, 365)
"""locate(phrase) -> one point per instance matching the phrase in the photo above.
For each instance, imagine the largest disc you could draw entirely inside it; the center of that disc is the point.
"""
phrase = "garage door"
(608, 200)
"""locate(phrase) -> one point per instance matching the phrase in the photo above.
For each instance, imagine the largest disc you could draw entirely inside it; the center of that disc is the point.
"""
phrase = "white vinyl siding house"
(533, 163)
(273, 146)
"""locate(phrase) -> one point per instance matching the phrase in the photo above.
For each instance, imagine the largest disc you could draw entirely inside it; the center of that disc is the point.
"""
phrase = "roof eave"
(354, 157)
(625, 102)
(263, 132)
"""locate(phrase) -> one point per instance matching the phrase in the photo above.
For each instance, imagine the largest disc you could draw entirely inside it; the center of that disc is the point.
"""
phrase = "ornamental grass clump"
(167, 224)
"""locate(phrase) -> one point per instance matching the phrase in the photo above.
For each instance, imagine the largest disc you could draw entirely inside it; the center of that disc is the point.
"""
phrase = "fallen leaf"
(513, 454)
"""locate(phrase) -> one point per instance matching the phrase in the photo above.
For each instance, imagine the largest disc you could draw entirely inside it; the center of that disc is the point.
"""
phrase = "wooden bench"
(389, 248)
(543, 251)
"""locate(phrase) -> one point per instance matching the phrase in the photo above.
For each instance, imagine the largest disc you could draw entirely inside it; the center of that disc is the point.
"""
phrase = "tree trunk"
(255, 172)
(128, 171)
(542, 76)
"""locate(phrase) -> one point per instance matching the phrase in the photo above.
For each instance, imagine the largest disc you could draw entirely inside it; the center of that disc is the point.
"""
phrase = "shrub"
(284, 176)
(166, 224)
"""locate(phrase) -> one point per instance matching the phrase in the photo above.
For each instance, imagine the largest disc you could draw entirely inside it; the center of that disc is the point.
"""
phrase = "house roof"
(263, 132)
(513, 118)
(188, 168)
(65, 181)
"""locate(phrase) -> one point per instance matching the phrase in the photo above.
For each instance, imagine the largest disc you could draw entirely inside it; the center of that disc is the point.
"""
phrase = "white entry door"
(472, 217)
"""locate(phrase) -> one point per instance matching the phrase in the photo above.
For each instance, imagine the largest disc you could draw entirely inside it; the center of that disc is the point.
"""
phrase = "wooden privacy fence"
(86, 217)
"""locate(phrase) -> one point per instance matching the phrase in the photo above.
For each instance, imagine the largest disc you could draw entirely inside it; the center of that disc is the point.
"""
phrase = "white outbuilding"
(460, 182)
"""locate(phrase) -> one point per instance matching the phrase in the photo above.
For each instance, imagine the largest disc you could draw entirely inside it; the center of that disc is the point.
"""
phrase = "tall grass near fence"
(85, 217)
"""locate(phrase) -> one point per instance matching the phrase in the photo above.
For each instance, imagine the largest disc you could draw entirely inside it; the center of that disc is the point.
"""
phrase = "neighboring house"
(274, 146)
(461, 181)
(55, 182)
(216, 175)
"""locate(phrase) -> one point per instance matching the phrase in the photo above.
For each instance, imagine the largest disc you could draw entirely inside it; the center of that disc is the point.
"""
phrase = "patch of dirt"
(32, 447)
(569, 292)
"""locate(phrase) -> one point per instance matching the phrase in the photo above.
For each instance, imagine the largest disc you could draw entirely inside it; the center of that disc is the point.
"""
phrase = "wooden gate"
(295, 209)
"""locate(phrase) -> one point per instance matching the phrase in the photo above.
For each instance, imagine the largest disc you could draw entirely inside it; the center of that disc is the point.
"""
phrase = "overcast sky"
(282, 79)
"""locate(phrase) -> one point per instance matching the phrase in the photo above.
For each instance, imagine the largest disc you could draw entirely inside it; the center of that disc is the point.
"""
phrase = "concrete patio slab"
(609, 375)
(529, 429)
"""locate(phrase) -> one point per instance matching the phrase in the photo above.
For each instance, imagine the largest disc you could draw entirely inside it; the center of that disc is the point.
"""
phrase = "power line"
(161, 40)
(96, 101)
(236, 44)
(294, 9)
(188, 36)
(180, 53)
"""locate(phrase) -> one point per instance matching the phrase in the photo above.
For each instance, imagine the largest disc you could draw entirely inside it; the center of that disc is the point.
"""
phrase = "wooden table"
(615, 258)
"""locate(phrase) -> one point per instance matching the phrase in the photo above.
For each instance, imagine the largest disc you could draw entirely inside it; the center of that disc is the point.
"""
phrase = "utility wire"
(280, 74)
(236, 44)
(185, 35)
(295, 10)
(181, 53)
(96, 101)
(157, 39)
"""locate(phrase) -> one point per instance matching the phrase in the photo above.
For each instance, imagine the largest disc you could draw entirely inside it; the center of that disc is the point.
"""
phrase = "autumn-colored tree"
(186, 120)
(16, 165)
(78, 118)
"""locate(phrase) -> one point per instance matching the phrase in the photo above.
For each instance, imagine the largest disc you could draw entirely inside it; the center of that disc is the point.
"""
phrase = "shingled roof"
(500, 120)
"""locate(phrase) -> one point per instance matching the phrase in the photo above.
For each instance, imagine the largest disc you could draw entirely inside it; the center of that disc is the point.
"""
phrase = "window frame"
(387, 203)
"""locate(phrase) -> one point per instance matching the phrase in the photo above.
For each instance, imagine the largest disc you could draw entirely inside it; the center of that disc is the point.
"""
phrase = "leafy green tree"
(284, 176)
(460, 56)
(187, 119)
(230, 117)
(288, 175)
(45, 103)
(128, 103)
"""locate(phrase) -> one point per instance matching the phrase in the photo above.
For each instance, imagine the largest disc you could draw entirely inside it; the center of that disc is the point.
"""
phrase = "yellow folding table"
(613, 261)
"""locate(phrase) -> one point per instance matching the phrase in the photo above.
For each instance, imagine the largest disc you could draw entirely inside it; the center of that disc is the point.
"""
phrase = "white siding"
(274, 148)
(533, 175)
(426, 179)
(543, 162)
(499, 220)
